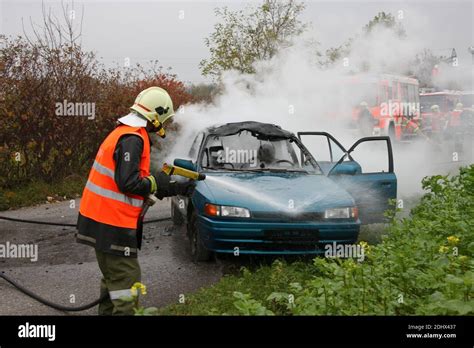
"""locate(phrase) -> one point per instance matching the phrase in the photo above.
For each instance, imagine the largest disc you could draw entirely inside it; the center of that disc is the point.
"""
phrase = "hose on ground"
(52, 304)
(39, 298)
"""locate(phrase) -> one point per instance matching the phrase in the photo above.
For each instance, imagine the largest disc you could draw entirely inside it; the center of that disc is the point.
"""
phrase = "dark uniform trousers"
(119, 275)
(116, 252)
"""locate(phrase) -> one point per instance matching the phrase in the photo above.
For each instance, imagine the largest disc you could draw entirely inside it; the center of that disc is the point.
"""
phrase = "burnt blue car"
(265, 192)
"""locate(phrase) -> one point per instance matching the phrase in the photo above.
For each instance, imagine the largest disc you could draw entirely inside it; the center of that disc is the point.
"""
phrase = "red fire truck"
(467, 99)
(383, 104)
(436, 121)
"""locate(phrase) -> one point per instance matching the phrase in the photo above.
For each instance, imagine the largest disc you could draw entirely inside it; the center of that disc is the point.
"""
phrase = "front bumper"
(252, 237)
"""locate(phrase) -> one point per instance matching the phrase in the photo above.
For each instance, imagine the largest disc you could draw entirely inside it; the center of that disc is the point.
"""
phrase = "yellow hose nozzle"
(175, 170)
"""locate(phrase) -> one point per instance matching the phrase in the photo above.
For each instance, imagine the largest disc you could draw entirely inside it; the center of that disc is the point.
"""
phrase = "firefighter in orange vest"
(454, 120)
(437, 120)
(112, 200)
(438, 123)
(409, 125)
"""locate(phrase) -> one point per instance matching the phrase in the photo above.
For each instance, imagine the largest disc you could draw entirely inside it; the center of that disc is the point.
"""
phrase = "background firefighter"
(464, 135)
(410, 126)
(437, 123)
(117, 186)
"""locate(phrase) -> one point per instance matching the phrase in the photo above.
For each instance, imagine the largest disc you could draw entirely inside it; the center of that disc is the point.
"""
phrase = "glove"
(183, 188)
(168, 188)
(163, 183)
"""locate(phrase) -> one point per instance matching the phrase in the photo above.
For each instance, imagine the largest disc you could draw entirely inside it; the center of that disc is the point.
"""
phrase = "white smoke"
(295, 92)
(455, 76)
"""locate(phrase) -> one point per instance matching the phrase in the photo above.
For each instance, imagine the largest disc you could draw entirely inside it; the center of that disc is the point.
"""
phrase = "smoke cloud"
(294, 91)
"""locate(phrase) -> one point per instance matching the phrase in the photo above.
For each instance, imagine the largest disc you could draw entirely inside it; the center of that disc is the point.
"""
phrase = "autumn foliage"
(36, 142)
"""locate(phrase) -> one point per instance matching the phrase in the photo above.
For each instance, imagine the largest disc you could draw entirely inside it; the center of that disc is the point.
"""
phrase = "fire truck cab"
(467, 99)
(435, 121)
(384, 104)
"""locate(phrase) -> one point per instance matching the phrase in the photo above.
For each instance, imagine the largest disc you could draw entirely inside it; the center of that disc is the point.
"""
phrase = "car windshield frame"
(316, 169)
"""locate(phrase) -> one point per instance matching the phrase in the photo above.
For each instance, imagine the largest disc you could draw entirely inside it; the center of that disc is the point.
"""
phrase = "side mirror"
(346, 168)
(186, 164)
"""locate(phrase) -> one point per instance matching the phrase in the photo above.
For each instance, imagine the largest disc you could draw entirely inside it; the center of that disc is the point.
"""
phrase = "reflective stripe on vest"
(113, 195)
(103, 170)
(102, 201)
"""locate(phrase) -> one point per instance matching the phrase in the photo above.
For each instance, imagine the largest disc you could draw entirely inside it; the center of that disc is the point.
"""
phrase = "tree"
(422, 67)
(335, 54)
(381, 20)
(203, 92)
(244, 37)
(386, 20)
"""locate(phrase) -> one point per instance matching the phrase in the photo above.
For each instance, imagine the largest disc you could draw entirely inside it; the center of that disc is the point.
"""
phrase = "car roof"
(259, 129)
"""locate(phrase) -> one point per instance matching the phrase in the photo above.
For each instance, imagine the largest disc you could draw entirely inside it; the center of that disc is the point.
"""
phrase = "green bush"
(40, 192)
(424, 266)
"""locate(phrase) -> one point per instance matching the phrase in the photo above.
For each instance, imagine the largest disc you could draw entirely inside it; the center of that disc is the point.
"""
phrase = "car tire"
(198, 250)
(176, 216)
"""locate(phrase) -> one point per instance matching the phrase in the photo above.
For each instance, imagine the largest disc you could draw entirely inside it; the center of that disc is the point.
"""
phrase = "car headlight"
(342, 213)
(226, 211)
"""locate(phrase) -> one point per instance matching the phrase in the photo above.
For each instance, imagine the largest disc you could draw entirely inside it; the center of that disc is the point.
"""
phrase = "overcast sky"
(173, 31)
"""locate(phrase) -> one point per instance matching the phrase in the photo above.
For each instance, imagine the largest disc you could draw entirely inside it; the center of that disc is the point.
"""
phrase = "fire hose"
(41, 299)
(52, 304)
(149, 201)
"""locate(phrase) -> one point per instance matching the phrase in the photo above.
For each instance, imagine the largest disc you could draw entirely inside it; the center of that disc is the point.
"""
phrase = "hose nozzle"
(175, 170)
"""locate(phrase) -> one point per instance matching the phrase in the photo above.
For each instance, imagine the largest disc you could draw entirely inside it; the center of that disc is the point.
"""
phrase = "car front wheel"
(198, 250)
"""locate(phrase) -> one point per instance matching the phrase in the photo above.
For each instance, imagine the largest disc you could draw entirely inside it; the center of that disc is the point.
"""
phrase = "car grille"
(282, 216)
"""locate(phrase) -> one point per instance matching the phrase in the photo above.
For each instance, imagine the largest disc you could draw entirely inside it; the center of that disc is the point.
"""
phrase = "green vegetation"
(242, 38)
(385, 20)
(423, 266)
(40, 192)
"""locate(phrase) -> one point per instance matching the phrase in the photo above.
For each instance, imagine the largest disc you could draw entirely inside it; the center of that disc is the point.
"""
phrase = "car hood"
(297, 192)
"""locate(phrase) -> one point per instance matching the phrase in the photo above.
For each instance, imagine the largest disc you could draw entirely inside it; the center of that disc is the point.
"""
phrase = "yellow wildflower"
(453, 240)
(138, 286)
(443, 249)
(365, 248)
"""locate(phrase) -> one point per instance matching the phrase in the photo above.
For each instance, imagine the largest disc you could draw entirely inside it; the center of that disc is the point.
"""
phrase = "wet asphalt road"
(66, 269)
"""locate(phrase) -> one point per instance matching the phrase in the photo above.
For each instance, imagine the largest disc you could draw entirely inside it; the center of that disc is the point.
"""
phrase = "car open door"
(370, 186)
(327, 151)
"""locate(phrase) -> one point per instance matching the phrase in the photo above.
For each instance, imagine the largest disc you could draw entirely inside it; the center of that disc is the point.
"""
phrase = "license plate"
(292, 234)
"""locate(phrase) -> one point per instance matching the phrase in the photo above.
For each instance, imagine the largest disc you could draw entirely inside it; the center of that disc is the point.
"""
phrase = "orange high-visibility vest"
(455, 120)
(102, 200)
